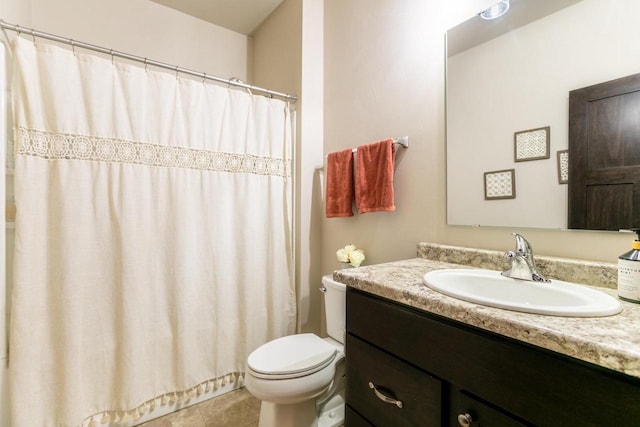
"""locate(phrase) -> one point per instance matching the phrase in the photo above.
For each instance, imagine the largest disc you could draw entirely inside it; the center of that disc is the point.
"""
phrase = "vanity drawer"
(420, 393)
(480, 413)
(353, 419)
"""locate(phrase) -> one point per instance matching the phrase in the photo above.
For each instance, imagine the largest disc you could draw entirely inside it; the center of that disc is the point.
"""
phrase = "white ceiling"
(242, 16)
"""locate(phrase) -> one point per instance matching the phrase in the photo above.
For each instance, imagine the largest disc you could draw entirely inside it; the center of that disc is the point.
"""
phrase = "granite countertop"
(612, 342)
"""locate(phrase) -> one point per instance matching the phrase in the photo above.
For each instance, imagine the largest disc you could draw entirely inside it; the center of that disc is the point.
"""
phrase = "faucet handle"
(510, 254)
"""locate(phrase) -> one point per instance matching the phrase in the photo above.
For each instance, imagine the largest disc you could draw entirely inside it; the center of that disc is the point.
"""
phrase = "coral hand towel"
(339, 196)
(374, 177)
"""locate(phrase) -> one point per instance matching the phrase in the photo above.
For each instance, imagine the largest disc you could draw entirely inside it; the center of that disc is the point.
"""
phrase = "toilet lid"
(292, 356)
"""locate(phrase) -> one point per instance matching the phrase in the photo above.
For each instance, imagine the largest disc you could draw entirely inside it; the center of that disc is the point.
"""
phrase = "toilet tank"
(335, 307)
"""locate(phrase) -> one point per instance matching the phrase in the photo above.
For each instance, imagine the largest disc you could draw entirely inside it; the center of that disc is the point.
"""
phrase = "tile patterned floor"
(235, 409)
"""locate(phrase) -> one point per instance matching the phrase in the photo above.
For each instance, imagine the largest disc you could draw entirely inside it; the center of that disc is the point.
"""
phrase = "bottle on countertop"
(629, 272)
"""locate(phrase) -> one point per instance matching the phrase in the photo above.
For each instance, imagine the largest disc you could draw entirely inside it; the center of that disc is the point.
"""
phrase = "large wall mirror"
(508, 84)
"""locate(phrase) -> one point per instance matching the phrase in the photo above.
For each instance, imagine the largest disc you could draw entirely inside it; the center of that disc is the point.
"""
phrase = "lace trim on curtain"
(172, 398)
(55, 145)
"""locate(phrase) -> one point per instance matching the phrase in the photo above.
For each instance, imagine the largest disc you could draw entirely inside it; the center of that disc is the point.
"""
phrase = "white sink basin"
(488, 287)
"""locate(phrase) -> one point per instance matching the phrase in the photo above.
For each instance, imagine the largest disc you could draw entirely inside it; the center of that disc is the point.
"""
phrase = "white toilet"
(300, 378)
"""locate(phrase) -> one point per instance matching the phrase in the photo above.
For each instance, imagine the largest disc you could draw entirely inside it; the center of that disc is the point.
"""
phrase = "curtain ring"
(112, 59)
(234, 81)
(145, 65)
(33, 35)
(204, 78)
(177, 71)
(73, 46)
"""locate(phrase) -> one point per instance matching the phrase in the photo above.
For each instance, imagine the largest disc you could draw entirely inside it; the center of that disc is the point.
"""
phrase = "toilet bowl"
(299, 378)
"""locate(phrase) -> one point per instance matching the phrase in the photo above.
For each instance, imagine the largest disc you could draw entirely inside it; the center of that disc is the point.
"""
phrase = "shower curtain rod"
(233, 82)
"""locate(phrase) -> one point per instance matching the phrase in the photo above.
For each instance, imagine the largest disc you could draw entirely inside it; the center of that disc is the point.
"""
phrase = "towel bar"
(402, 141)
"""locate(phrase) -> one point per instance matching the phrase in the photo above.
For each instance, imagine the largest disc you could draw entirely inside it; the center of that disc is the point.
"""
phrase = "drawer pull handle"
(465, 420)
(384, 398)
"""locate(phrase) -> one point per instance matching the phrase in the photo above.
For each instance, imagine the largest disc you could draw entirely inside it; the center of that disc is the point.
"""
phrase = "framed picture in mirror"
(500, 184)
(563, 167)
(532, 144)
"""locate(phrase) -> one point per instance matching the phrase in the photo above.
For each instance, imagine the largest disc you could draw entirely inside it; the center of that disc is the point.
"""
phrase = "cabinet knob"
(465, 420)
(383, 397)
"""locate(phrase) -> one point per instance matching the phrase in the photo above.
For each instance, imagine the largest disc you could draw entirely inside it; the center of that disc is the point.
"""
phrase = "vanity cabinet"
(446, 373)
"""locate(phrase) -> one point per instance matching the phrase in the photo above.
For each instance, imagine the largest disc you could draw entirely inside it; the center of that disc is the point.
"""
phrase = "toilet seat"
(292, 356)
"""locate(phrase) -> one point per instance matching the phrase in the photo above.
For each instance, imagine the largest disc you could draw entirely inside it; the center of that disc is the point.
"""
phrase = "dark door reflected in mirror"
(604, 155)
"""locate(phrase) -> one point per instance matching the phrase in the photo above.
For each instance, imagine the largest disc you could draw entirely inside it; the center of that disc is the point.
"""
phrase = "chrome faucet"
(523, 266)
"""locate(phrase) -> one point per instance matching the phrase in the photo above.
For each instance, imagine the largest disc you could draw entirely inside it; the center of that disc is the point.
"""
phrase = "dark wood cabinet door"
(604, 155)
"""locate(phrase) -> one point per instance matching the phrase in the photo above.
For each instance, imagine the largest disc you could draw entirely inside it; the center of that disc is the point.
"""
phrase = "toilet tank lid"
(291, 354)
(328, 281)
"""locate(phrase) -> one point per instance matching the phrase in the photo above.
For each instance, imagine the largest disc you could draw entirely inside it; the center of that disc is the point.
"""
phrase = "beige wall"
(384, 76)
(139, 27)
(288, 56)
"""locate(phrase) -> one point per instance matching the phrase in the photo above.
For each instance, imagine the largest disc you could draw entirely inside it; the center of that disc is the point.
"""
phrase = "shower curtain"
(153, 236)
